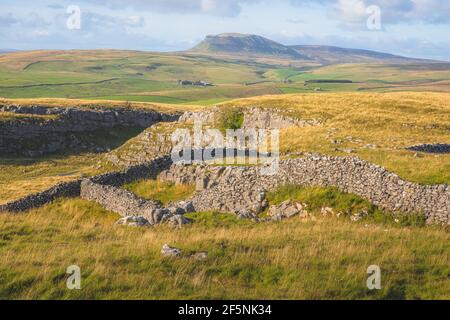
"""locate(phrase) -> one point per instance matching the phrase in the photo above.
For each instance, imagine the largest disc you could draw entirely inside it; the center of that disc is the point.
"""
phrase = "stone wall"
(40, 136)
(241, 188)
(73, 189)
(233, 189)
(129, 205)
(119, 200)
(147, 170)
(68, 189)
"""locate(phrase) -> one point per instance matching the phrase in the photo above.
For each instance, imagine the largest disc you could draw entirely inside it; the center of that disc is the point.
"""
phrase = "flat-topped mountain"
(236, 43)
(254, 45)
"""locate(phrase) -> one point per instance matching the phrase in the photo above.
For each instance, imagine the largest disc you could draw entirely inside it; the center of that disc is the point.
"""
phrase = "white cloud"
(208, 5)
(393, 11)
(230, 8)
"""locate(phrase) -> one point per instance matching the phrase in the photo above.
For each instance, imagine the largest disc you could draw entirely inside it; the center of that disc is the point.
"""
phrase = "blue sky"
(417, 28)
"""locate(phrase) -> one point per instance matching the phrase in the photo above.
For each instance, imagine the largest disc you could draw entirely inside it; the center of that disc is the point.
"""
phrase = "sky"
(415, 28)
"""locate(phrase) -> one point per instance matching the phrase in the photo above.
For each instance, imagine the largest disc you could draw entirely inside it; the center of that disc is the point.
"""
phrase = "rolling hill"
(335, 55)
(254, 45)
(237, 65)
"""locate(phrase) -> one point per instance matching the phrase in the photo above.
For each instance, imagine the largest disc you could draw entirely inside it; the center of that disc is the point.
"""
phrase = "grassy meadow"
(319, 257)
(164, 192)
(153, 77)
(314, 258)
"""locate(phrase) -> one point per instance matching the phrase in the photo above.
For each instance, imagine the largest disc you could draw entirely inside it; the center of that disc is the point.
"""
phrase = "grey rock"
(200, 256)
(168, 251)
(178, 221)
(134, 221)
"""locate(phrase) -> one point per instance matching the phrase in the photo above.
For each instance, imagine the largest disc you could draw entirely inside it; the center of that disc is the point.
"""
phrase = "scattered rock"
(187, 206)
(287, 209)
(359, 216)
(246, 214)
(176, 211)
(200, 256)
(178, 220)
(168, 251)
(327, 211)
(134, 221)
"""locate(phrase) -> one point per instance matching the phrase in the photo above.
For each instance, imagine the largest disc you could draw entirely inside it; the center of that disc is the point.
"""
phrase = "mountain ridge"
(255, 45)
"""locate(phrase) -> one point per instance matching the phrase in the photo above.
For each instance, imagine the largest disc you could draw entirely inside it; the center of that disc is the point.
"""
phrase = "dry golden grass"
(325, 258)
(83, 103)
(10, 116)
(162, 191)
(21, 177)
(390, 121)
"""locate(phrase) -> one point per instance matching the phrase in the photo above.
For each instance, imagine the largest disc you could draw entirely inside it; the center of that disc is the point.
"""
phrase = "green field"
(153, 77)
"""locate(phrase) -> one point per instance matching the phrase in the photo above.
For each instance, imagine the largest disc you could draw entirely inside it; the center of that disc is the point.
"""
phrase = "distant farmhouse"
(199, 83)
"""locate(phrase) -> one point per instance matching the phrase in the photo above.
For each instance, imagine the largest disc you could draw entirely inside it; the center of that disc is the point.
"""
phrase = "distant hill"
(6, 51)
(254, 45)
(236, 43)
(333, 55)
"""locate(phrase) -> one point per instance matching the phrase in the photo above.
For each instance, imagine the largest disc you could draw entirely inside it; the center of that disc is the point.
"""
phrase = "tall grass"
(326, 258)
(164, 192)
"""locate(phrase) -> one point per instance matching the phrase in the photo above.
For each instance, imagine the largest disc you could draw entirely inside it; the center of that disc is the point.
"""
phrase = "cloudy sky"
(417, 28)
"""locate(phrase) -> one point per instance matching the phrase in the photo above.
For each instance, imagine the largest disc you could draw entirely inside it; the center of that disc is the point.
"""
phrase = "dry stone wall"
(242, 188)
(67, 190)
(233, 189)
(120, 201)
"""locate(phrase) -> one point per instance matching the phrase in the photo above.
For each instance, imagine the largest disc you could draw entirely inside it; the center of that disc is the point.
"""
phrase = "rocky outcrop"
(273, 119)
(150, 144)
(253, 118)
(38, 136)
(82, 119)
